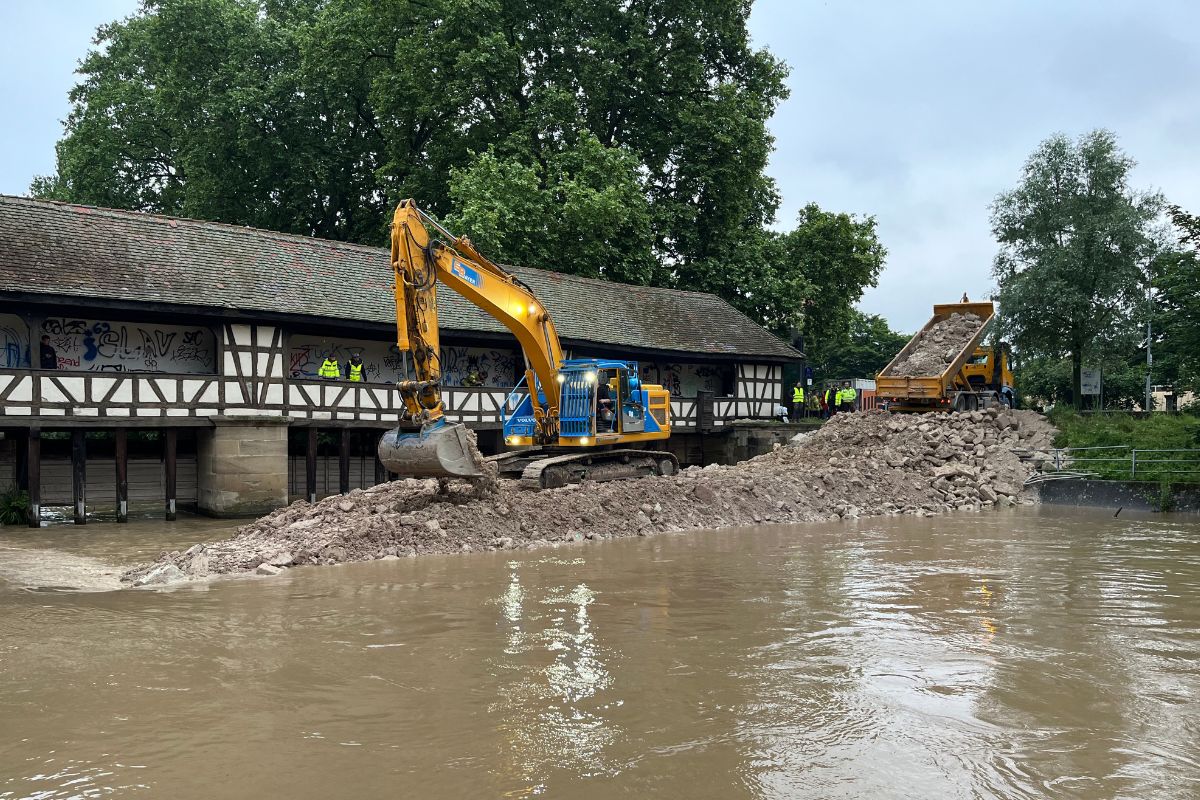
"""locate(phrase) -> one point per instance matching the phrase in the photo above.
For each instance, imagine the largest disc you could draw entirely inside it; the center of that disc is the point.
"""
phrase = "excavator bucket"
(439, 450)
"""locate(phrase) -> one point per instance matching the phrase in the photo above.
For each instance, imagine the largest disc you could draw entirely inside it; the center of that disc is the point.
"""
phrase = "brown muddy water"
(1033, 653)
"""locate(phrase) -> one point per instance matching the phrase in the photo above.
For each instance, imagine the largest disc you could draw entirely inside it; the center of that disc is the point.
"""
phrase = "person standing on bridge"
(356, 370)
(48, 357)
(329, 371)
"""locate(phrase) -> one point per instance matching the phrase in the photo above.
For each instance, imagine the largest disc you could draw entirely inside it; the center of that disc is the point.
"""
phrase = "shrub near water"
(1156, 432)
(14, 506)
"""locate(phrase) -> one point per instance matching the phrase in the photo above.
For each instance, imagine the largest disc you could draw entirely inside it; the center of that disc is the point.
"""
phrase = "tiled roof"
(62, 249)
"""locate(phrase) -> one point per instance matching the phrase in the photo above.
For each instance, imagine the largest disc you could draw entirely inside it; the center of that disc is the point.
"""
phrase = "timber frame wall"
(252, 381)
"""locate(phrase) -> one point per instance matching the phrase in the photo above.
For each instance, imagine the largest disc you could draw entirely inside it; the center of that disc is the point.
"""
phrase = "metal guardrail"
(1119, 457)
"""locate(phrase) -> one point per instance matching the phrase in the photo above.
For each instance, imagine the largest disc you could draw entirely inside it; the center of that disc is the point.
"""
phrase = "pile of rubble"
(939, 345)
(862, 464)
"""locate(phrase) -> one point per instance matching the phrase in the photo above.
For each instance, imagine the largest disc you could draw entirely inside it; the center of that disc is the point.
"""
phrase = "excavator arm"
(419, 264)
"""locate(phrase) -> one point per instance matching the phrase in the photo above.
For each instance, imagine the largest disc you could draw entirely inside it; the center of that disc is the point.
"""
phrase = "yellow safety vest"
(797, 394)
(851, 394)
(329, 369)
(838, 397)
(356, 372)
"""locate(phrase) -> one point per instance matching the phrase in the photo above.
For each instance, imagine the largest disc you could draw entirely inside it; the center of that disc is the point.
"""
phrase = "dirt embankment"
(936, 349)
(856, 465)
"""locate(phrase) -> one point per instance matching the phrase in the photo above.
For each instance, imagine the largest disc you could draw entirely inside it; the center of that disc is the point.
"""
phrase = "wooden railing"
(69, 398)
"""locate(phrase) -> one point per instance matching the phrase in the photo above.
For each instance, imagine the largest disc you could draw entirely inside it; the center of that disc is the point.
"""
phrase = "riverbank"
(857, 465)
(1169, 434)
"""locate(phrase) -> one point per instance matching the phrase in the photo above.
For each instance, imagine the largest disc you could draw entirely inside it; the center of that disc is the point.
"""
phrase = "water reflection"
(549, 708)
(1035, 654)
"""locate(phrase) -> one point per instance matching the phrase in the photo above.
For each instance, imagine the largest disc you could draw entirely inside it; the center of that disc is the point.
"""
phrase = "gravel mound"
(861, 464)
(938, 346)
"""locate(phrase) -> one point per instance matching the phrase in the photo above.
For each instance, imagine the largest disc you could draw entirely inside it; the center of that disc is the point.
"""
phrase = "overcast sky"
(915, 112)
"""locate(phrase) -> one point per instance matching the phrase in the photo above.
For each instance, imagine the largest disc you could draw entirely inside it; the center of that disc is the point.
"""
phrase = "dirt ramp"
(860, 464)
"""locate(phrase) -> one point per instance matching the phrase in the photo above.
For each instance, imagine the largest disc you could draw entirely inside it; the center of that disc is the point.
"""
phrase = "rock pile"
(860, 464)
(938, 346)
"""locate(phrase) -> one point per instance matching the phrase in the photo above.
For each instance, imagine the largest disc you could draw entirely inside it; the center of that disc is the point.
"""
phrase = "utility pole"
(1149, 355)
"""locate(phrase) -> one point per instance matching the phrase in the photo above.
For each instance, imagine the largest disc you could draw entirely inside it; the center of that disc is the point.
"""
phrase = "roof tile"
(48, 247)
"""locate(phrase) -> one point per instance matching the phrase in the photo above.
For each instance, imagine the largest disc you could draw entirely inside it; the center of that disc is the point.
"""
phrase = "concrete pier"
(242, 466)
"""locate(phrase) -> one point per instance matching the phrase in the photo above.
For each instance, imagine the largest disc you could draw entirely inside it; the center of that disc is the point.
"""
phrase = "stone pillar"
(241, 466)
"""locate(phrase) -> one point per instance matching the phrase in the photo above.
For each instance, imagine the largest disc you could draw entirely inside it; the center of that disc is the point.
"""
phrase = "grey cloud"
(920, 113)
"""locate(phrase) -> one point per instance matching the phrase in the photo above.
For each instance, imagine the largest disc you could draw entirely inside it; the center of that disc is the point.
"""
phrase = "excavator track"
(607, 465)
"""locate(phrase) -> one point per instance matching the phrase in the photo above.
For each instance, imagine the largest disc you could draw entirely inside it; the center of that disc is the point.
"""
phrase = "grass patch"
(14, 506)
(1156, 432)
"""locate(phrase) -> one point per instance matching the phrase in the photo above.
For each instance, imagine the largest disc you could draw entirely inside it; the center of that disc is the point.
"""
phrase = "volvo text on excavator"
(567, 420)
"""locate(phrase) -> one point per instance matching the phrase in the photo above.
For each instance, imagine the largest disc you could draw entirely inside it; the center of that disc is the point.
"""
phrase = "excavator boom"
(419, 265)
(581, 409)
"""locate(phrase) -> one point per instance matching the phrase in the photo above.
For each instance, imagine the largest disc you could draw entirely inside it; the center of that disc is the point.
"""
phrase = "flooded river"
(1034, 653)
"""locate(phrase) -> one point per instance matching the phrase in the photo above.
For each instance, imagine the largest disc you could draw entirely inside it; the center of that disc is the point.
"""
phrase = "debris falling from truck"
(937, 348)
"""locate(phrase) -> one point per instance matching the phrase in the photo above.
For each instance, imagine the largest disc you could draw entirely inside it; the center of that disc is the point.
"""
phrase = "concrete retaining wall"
(1132, 495)
(744, 440)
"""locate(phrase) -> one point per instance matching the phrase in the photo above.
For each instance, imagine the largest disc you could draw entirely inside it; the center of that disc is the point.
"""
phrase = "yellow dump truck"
(944, 366)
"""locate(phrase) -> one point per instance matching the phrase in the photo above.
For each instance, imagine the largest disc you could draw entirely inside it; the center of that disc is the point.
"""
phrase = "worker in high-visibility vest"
(830, 401)
(849, 396)
(356, 369)
(329, 371)
(797, 401)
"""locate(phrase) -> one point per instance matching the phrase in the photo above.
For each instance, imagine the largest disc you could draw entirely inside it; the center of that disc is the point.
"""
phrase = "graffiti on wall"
(384, 363)
(477, 366)
(14, 342)
(684, 380)
(114, 346)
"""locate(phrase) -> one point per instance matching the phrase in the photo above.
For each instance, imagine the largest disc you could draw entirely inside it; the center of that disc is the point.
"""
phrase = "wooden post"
(171, 446)
(381, 475)
(344, 462)
(310, 467)
(33, 458)
(121, 442)
(22, 466)
(79, 474)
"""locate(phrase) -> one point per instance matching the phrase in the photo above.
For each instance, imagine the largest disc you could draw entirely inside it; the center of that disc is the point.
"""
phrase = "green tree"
(830, 258)
(229, 110)
(1076, 244)
(871, 344)
(314, 116)
(583, 212)
(1177, 292)
(1046, 381)
(615, 139)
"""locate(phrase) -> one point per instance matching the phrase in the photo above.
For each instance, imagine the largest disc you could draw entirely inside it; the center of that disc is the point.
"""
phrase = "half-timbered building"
(117, 321)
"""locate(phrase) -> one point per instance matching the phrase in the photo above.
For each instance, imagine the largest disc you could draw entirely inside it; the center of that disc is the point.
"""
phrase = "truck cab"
(989, 369)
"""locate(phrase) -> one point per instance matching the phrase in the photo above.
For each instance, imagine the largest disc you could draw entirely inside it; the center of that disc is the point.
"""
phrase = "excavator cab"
(600, 401)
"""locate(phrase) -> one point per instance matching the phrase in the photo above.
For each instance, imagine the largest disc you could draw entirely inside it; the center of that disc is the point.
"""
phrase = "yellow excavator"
(567, 420)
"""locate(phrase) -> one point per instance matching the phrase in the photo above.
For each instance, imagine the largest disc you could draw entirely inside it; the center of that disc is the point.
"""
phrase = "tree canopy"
(1176, 282)
(616, 139)
(867, 348)
(1076, 249)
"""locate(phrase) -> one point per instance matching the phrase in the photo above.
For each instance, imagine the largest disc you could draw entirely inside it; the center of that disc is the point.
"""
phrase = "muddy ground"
(938, 346)
(861, 464)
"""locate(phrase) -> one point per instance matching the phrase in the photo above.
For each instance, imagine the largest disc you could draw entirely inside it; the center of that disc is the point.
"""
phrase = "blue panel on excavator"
(577, 403)
(577, 400)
